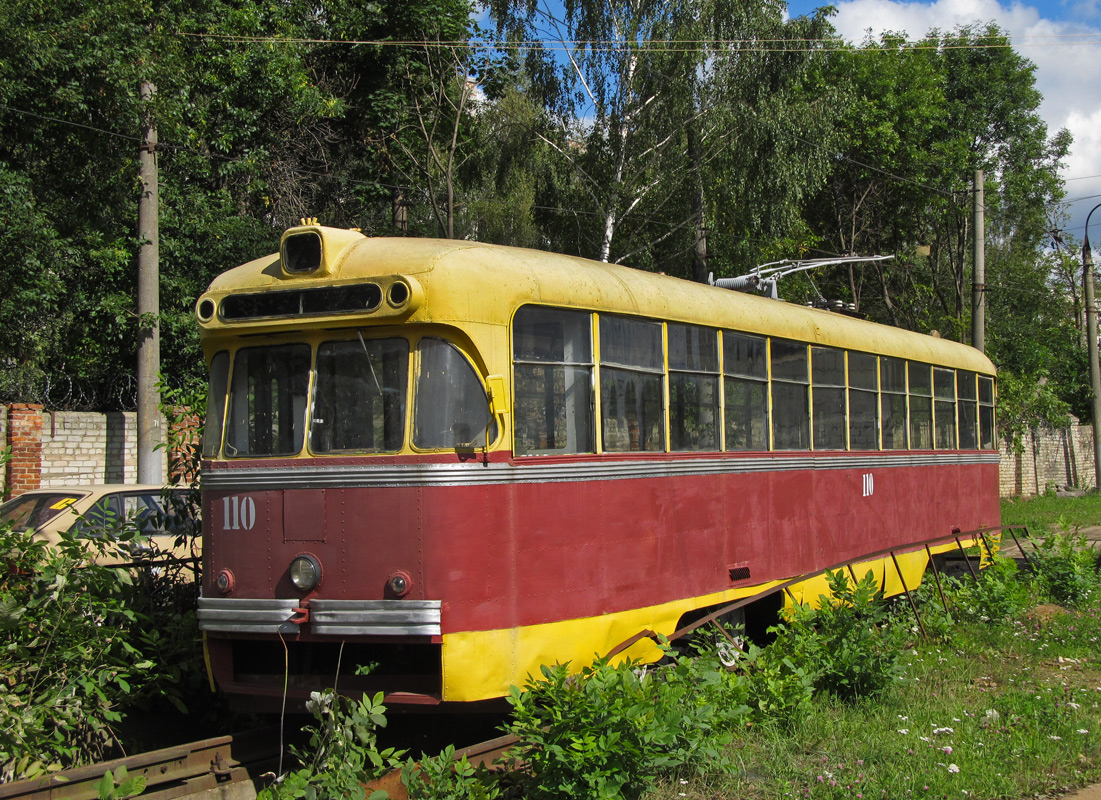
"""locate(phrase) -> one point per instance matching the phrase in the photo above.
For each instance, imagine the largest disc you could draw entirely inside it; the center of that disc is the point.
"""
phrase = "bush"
(1000, 592)
(610, 730)
(842, 648)
(1065, 568)
(343, 751)
(69, 658)
(442, 777)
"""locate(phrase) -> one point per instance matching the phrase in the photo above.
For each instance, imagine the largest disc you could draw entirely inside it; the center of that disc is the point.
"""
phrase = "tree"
(648, 99)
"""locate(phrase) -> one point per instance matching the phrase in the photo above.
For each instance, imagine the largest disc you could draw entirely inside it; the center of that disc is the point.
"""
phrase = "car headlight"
(305, 572)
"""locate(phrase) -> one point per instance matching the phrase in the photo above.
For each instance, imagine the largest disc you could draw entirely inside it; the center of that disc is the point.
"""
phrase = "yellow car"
(153, 522)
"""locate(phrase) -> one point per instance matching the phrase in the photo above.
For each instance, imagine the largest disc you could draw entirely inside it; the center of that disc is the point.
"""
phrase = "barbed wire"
(57, 391)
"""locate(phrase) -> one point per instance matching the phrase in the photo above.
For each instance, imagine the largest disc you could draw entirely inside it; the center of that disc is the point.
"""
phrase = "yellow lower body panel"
(481, 665)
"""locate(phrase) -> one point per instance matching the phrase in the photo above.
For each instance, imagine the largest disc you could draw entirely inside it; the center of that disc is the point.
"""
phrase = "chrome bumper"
(338, 618)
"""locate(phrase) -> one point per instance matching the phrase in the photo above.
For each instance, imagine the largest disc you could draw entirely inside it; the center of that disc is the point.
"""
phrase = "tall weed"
(608, 731)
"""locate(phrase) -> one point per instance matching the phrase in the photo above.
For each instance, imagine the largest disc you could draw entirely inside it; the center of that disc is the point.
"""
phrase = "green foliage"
(780, 690)
(1027, 402)
(70, 661)
(1000, 592)
(343, 751)
(442, 777)
(118, 785)
(842, 648)
(607, 731)
(1065, 566)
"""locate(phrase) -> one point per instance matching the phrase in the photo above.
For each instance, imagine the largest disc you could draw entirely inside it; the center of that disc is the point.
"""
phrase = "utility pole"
(149, 339)
(1091, 333)
(978, 274)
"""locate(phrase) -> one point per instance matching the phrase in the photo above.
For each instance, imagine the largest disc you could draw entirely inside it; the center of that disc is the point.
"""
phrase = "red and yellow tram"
(454, 462)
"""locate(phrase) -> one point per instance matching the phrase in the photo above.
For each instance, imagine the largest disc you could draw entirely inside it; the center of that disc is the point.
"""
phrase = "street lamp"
(1091, 334)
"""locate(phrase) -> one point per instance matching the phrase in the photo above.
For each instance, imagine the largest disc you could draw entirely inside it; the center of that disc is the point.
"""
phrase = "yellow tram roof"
(456, 282)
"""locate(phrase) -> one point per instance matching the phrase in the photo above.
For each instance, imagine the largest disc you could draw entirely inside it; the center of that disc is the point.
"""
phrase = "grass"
(1043, 512)
(1009, 710)
(1005, 708)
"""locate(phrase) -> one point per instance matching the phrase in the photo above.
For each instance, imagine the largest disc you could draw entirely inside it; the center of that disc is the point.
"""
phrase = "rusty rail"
(785, 586)
(224, 766)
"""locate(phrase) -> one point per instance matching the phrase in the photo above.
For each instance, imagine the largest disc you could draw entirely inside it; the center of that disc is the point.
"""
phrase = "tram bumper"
(337, 618)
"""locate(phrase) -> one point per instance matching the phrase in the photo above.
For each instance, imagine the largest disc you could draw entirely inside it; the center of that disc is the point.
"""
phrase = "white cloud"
(1067, 55)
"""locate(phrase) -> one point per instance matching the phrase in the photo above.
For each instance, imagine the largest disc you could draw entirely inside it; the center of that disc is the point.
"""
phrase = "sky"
(1061, 37)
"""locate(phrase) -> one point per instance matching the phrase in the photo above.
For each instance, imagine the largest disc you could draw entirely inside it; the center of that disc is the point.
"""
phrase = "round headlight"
(305, 572)
(223, 581)
(399, 583)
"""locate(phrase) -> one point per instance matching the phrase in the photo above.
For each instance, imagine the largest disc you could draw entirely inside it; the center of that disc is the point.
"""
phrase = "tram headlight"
(399, 583)
(305, 572)
(224, 582)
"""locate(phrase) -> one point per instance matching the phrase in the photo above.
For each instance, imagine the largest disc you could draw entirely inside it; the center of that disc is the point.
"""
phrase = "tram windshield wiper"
(370, 363)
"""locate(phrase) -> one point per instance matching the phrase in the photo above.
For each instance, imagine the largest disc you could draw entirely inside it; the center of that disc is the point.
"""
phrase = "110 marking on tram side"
(238, 513)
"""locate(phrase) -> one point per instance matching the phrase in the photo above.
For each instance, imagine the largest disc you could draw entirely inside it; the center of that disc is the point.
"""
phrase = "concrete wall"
(1048, 458)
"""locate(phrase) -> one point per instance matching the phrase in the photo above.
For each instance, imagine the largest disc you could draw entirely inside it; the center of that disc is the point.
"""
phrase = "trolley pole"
(978, 274)
(1091, 334)
(149, 340)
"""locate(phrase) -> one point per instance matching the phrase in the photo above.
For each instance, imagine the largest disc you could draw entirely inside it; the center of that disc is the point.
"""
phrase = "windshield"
(451, 408)
(359, 396)
(355, 400)
(32, 511)
(267, 401)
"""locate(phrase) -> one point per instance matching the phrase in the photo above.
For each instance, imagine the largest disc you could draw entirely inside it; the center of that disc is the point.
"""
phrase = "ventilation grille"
(303, 302)
(739, 572)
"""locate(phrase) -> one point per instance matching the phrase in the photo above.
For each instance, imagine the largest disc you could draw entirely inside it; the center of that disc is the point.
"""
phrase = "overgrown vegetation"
(849, 700)
(87, 647)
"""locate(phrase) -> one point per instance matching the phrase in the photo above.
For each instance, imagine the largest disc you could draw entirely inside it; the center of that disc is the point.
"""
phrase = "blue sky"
(1061, 37)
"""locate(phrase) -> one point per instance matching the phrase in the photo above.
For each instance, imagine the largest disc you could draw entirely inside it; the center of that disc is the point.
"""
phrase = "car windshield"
(142, 512)
(33, 510)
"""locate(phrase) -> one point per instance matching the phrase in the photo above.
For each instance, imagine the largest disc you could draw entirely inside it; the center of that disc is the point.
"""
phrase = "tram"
(431, 466)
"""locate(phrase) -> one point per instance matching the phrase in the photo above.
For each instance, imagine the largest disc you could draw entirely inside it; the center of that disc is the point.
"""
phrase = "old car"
(149, 522)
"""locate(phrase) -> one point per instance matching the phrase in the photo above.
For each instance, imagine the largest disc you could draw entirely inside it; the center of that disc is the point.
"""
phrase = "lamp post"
(1091, 335)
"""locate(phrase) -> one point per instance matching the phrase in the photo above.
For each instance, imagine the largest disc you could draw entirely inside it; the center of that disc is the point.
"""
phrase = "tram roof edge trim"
(467, 281)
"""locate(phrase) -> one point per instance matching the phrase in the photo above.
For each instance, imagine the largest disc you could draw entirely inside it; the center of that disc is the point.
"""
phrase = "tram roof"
(471, 282)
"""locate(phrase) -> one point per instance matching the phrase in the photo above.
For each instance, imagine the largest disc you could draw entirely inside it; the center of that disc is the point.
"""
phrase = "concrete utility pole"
(1091, 333)
(978, 274)
(149, 337)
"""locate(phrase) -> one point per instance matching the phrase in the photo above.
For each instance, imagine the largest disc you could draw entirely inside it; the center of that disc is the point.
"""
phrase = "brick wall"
(66, 448)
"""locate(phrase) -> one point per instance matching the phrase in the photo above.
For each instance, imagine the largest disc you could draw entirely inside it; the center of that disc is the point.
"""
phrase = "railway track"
(221, 768)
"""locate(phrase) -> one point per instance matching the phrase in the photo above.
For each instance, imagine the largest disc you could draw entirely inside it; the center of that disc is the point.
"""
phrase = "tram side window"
(359, 396)
(968, 410)
(893, 402)
(863, 420)
(216, 404)
(693, 388)
(921, 406)
(944, 407)
(450, 408)
(986, 413)
(828, 388)
(632, 367)
(790, 410)
(552, 377)
(746, 386)
(267, 401)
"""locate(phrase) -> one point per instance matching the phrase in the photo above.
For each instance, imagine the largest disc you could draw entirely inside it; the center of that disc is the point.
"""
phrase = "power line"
(659, 46)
